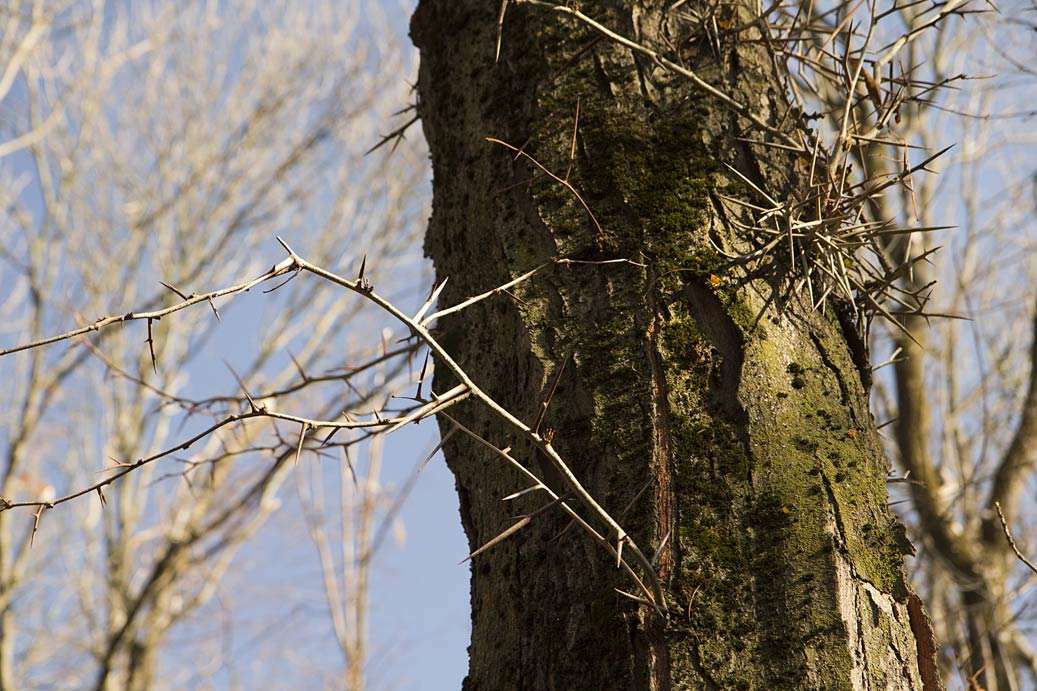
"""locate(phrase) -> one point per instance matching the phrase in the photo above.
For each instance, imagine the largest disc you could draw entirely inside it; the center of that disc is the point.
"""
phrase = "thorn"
(551, 393)
(349, 464)
(655, 557)
(212, 304)
(572, 146)
(514, 528)
(635, 598)
(284, 244)
(438, 446)
(251, 402)
(35, 525)
(421, 377)
(397, 135)
(500, 29)
(507, 532)
(302, 438)
(298, 367)
(362, 284)
(523, 492)
(118, 464)
(151, 347)
(182, 296)
(430, 301)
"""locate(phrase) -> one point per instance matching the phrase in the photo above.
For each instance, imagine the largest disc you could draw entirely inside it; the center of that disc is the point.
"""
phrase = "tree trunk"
(729, 435)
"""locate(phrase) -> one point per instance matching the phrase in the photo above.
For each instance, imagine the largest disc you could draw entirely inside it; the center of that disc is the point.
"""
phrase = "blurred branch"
(1018, 461)
(1011, 541)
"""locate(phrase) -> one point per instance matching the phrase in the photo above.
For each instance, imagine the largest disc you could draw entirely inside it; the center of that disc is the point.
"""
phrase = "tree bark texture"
(730, 435)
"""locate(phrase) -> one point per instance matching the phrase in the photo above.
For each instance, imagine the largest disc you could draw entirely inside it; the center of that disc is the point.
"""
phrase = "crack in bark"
(858, 345)
(826, 359)
(905, 668)
(708, 681)
(836, 512)
(716, 324)
(659, 654)
(862, 645)
(661, 439)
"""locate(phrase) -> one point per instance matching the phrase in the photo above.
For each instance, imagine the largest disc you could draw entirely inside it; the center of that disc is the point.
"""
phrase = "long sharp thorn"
(522, 492)
(284, 244)
(251, 401)
(349, 464)
(637, 599)
(515, 527)
(659, 549)
(504, 535)
(544, 406)
(500, 29)
(151, 347)
(212, 304)
(433, 296)
(166, 285)
(302, 438)
(439, 446)
(421, 377)
(35, 526)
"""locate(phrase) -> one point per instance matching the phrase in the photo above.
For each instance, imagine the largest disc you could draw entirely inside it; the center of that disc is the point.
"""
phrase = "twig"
(1011, 541)
(562, 181)
(277, 270)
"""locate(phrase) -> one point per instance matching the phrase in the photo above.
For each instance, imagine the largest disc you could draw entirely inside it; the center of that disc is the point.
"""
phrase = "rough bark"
(689, 404)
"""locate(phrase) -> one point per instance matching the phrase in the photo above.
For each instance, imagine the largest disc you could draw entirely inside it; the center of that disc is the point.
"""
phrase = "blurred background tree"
(150, 141)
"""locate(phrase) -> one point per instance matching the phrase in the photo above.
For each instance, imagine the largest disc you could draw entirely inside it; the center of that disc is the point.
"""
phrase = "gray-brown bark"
(732, 437)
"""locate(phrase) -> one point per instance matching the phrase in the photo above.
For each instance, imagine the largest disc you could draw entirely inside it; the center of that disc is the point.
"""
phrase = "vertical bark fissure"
(661, 452)
(665, 521)
(727, 340)
(844, 390)
(708, 682)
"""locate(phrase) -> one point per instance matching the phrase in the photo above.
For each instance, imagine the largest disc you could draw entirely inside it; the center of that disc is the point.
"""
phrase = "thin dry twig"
(1011, 541)
(277, 270)
(562, 181)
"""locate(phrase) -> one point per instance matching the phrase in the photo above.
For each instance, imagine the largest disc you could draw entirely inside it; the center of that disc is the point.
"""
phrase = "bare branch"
(1011, 541)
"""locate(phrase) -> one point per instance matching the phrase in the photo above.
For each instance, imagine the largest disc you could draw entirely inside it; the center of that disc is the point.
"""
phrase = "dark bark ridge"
(732, 438)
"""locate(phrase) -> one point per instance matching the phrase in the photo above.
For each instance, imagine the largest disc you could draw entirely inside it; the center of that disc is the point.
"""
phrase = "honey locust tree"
(697, 360)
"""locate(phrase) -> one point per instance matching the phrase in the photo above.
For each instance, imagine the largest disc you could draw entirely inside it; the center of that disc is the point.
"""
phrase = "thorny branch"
(1011, 540)
(277, 270)
(615, 539)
